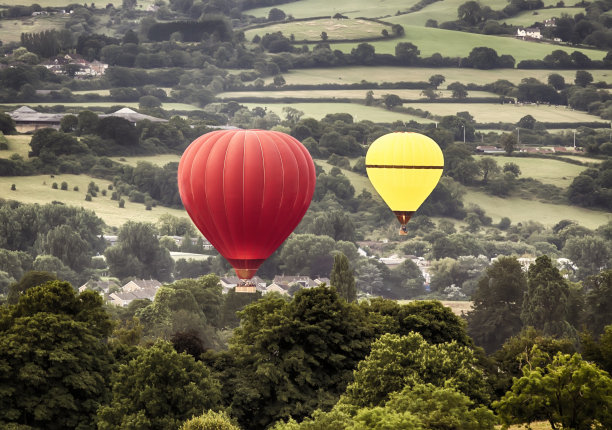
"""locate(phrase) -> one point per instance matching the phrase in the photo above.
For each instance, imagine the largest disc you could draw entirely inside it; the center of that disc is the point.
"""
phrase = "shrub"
(13, 187)
(76, 188)
(121, 203)
(64, 186)
(88, 197)
(54, 186)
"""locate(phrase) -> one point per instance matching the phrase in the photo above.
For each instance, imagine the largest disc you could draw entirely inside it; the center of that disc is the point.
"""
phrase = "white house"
(529, 33)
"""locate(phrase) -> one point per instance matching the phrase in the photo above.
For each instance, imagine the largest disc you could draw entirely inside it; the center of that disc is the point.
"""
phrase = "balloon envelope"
(246, 191)
(404, 168)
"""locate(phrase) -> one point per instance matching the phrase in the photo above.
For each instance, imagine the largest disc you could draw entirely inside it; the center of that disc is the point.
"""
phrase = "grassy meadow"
(450, 43)
(158, 160)
(17, 144)
(11, 29)
(101, 105)
(350, 8)
(359, 112)
(345, 94)
(352, 75)
(527, 18)
(336, 29)
(552, 172)
(521, 210)
(37, 189)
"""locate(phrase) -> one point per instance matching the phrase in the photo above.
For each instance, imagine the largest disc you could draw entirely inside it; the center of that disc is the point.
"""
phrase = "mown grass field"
(17, 144)
(350, 8)
(352, 75)
(528, 18)
(521, 210)
(37, 189)
(336, 29)
(552, 172)
(359, 112)
(455, 43)
(485, 112)
(158, 160)
(102, 105)
(349, 94)
(11, 29)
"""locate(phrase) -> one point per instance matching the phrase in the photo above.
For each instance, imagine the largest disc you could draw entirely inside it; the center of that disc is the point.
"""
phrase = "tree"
(30, 279)
(364, 53)
(590, 253)
(488, 167)
(324, 36)
(436, 80)
(48, 143)
(149, 102)
(69, 123)
(496, 312)
(483, 58)
(559, 393)
(276, 14)
(512, 168)
(87, 122)
(392, 100)
(406, 53)
(210, 420)
(397, 361)
(430, 93)
(509, 142)
(459, 90)
(598, 301)
(342, 278)
(556, 81)
(138, 253)
(369, 100)
(55, 359)
(545, 303)
(470, 12)
(298, 350)
(583, 78)
(528, 122)
(159, 389)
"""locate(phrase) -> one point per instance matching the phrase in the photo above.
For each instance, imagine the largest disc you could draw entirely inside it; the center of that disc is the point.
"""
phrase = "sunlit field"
(11, 29)
(345, 94)
(336, 29)
(158, 160)
(17, 144)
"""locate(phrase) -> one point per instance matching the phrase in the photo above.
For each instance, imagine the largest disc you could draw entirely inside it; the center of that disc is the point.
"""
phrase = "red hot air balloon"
(246, 191)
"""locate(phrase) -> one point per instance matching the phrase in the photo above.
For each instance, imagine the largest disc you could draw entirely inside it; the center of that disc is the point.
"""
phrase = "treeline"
(320, 360)
(191, 31)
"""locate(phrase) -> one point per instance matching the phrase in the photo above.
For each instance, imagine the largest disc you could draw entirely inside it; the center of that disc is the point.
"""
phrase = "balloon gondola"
(246, 191)
(404, 168)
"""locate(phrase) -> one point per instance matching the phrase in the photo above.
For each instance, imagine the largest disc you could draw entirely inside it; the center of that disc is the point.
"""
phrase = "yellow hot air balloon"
(404, 168)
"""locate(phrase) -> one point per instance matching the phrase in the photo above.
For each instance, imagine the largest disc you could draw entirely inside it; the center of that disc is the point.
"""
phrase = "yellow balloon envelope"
(404, 168)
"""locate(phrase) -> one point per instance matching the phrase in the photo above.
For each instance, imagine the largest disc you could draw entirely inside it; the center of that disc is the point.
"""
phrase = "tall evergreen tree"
(498, 298)
(545, 305)
(343, 279)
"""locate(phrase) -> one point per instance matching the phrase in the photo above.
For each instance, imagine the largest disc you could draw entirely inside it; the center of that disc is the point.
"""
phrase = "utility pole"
(463, 133)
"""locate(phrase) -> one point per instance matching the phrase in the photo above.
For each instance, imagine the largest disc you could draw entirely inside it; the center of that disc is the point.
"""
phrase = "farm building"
(529, 33)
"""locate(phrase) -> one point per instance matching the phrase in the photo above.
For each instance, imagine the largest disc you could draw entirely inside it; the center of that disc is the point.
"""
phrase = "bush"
(13, 187)
(88, 197)
(64, 186)
(76, 188)
(104, 193)
(54, 186)
(121, 203)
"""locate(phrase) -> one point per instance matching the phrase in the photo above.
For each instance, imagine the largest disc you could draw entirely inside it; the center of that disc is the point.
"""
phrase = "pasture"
(520, 210)
(158, 160)
(527, 18)
(344, 94)
(450, 43)
(357, 74)
(37, 189)
(104, 105)
(141, 4)
(552, 172)
(17, 144)
(350, 8)
(336, 29)
(508, 112)
(358, 111)
(11, 29)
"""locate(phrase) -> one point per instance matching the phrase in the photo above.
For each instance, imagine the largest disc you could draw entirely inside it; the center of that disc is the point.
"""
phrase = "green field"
(520, 210)
(352, 75)
(37, 189)
(103, 105)
(455, 43)
(17, 144)
(528, 18)
(552, 172)
(336, 29)
(158, 160)
(359, 112)
(485, 112)
(350, 8)
(347, 94)
(11, 29)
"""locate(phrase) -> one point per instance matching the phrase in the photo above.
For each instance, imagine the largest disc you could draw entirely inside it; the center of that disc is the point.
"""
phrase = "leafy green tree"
(599, 352)
(392, 100)
(48, 143)
(397, 361)
(488, 167)
(408, 279)
(496, 312)
(459, 90)
(288, 359)
(406, 53)
(568, 393)
(210, 420)
(598, 301)
(87, 122)
(556, 81)
(29, 280)
(509, 142)
(470, 12)
(483, 57)
(159, 389)
(342, 278)
(67, 245)
(69, 123)
(55, 359)
(138, 253)
(590, 253)
(436, 80)
(545, 305)
(583, 78)
(7, 124)
(307, 253)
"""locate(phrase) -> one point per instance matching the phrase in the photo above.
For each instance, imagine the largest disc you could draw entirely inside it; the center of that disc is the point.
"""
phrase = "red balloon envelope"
(246, 191)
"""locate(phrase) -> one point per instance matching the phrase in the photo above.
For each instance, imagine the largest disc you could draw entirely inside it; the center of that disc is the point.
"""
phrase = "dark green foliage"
(56, 364)
(593, 187)
(598, 301)
(298, 350)
(191, 31)
(496, 313)
(342, 278)
(545, 305)
(119, 130)
(138, 253)
(158, 390)
(7, 124)
(48, 143)
(29, 280)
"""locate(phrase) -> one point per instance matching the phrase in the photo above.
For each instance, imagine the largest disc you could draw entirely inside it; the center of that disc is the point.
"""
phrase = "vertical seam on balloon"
(263, 169)
(223, 193)
(244, 140)
(279, 203)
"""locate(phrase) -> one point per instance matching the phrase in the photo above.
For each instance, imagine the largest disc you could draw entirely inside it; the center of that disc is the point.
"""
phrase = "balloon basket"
(246, 286)
(402, 231)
